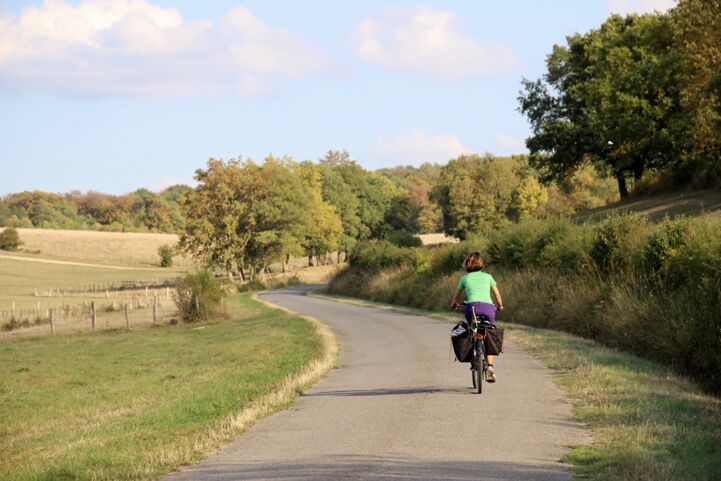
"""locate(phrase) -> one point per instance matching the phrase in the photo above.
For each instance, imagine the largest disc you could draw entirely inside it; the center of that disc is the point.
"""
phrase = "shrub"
(697, 263)
(166, 256)
(374, 254)
(663, 244)
(618, 241)
(449, 258)
(568, 249)
(539, 243)
(253, 285)
(10, 239)
(199, 297)
(403, 238)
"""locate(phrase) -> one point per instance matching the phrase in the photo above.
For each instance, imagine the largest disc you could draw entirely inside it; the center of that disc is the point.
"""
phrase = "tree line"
(640, 93)
(244, 216)
(139, 211)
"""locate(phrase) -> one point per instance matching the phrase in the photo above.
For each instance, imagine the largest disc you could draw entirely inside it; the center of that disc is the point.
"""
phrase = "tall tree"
(610, 97)
(246, 216)
(698, 29)
(325, 229)
(340, 195)
(220, 215)
(477, 192)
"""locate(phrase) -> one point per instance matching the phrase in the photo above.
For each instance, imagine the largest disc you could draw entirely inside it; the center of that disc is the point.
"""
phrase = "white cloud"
(429, 41)
(250, 86)
(132, 47)
(415, 148)
(509, 144)
(624, 7)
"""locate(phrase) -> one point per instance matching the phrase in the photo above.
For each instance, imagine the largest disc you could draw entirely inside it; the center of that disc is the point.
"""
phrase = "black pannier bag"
(462, 344)
(493, 342)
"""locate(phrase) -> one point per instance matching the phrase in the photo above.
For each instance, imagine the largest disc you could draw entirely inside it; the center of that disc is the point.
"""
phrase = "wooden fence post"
(155, 308)
(52, 321)
(92, 306)
(127, 320)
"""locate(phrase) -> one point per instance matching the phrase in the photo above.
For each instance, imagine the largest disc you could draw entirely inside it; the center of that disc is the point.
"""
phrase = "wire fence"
(106, 289)
(133, 311)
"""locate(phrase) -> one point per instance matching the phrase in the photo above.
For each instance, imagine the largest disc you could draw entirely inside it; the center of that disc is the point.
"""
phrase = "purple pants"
(481, 309)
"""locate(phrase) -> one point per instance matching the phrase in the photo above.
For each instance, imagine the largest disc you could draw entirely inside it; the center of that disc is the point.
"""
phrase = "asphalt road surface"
(398, 408)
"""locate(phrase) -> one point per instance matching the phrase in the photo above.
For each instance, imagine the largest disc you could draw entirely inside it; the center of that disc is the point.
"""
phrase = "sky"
(114, 95)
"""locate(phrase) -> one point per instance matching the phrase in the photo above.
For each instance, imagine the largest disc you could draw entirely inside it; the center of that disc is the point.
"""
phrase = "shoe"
(490, 374)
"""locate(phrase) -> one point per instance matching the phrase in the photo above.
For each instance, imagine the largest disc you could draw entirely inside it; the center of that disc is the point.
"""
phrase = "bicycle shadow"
(389, 392)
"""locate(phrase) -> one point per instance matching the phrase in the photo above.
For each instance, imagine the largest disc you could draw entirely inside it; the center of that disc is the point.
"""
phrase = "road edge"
(282, 398)
(316, 370)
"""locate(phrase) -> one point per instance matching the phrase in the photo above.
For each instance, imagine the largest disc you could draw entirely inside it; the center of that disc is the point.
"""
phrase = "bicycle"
(479, 326)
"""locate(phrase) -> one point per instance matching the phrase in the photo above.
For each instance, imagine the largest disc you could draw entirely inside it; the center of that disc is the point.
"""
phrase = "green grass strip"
(646, 422)
(134, 405)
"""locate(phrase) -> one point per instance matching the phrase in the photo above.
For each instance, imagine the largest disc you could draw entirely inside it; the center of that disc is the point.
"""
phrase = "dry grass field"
(111, 248)
(696, 203)
(69, 260)
(435, 239)
(19, 279)
(60, 260)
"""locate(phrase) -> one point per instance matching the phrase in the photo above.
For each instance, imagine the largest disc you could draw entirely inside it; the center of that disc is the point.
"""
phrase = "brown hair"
(473, 262)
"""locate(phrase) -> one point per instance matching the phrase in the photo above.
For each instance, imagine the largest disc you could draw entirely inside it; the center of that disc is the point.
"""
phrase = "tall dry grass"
(651, 289)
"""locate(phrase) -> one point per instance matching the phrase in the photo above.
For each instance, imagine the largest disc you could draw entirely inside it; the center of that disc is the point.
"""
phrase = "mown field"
(20, 279)
(110, 248)
(126, 405)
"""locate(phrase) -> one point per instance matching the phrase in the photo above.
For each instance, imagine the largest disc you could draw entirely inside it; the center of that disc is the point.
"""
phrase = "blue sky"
(113, 95)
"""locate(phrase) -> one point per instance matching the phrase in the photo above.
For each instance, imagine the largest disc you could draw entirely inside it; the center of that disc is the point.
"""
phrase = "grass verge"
(133, 405)
(646, 422)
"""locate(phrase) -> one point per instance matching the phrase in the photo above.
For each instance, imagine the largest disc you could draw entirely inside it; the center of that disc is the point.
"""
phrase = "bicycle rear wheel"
(480, 371)
(474, 367)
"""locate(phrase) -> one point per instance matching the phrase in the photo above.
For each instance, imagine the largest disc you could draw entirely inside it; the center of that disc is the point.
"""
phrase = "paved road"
(396, 408)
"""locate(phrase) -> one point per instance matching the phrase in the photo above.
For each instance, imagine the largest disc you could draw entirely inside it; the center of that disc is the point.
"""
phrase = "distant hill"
(656, 207)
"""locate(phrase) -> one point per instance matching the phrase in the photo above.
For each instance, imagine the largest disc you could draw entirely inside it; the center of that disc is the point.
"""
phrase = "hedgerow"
(654, 289)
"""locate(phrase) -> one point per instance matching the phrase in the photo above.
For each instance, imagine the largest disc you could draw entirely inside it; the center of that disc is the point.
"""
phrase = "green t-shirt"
(477, 286)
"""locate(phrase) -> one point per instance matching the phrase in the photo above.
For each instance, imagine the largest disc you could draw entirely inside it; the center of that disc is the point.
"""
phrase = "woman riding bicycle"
(478, 286)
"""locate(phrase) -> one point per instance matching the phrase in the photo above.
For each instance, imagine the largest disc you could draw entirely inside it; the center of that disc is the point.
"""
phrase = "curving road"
(397, 408)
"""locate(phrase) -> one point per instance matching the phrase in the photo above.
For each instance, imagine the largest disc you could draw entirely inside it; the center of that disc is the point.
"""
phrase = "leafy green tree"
(475, 193)
(337, 193)
(5, 212)
(283, 213)
(610, 97)
(247, 216)
(151, 211)
(220, 218)
(429, 219)
(370, 210)
(397, 216)
(528, 198)
(365, 201)
(324, 229)
(698, 29)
